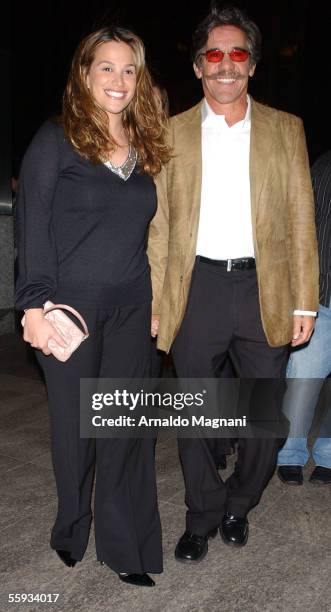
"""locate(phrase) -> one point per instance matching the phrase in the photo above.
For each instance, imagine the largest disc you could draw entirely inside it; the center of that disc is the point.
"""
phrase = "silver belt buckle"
(229, 266)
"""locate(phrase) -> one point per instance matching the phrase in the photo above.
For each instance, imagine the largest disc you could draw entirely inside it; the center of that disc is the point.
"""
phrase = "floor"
(286, 565)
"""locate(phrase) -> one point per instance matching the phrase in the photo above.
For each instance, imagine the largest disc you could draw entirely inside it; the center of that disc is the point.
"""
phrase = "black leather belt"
(245, 263)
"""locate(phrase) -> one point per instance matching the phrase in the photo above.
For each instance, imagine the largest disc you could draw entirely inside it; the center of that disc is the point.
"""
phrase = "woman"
(85, 202)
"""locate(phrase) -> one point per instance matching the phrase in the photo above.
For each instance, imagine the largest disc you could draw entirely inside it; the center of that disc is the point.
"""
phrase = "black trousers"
(223, 320)
(127, 524)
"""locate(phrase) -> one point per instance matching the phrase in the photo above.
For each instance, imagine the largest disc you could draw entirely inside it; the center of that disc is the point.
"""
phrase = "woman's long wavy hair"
(86, 124)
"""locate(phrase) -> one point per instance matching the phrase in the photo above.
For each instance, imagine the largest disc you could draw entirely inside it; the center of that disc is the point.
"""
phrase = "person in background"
(162, 97)
(86, 198)
(312, 362)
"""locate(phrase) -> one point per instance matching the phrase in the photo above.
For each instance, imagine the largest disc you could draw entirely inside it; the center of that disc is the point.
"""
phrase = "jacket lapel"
(259, 156)
(193, 164)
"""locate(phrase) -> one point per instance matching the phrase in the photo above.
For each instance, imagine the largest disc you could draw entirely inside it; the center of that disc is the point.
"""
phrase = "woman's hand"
(38, 331)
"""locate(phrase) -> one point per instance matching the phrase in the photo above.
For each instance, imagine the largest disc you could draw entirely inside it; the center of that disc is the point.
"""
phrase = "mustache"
(224, 75)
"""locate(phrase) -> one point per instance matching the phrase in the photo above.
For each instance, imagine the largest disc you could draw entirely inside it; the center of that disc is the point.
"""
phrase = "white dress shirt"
(225, 222)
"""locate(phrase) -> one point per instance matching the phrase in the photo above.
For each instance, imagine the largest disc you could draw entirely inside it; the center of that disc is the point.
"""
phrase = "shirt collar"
(212, 120)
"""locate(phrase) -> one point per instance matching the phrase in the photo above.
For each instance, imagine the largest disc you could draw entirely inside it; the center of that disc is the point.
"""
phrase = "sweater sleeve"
(37, 257)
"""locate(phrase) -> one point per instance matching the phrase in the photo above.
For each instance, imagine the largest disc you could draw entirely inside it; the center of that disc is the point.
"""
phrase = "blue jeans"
(313, 361)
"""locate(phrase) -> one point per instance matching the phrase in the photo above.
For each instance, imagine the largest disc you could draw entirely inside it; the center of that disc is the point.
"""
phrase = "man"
(312, 363)
(233, 256)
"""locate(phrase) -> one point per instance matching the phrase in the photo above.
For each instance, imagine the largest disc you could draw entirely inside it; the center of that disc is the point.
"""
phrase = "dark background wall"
(6, 219)
(293, 75)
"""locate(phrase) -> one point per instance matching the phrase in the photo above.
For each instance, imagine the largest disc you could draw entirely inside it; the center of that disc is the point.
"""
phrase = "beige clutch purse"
(66, 328)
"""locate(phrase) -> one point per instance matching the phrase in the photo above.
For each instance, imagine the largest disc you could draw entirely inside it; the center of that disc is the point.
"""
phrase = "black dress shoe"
(192, 548)
(234, 530)
(137, 579)
(320, 475)
(290, 474)
(66, 557)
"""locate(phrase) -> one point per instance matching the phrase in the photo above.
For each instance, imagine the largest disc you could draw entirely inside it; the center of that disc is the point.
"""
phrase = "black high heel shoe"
(137, 579)
(66, 558)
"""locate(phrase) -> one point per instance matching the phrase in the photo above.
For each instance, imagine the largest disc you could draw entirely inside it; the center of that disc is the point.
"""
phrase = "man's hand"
(155, 325)
(303, 327)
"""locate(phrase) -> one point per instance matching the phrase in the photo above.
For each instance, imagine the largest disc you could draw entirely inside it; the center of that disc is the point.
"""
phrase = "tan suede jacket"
(282, 220)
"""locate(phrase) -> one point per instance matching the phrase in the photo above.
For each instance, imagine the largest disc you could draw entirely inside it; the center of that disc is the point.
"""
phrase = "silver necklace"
(125, 170)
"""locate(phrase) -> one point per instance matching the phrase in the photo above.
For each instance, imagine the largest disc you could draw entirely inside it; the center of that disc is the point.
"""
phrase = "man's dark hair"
(221, 15)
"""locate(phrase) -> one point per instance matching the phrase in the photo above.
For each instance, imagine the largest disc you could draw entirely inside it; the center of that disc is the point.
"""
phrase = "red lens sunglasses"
(216, 55)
